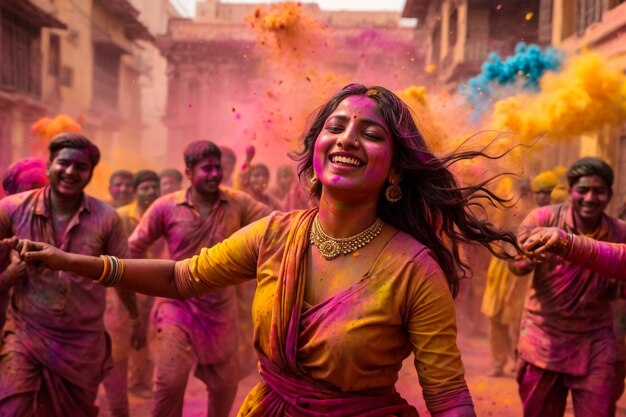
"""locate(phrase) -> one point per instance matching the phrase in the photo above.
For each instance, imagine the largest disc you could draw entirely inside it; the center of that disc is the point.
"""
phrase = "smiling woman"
(345, 292)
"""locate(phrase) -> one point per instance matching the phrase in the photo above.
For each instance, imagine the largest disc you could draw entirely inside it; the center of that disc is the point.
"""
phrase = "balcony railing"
(20, 55)
(476, 52)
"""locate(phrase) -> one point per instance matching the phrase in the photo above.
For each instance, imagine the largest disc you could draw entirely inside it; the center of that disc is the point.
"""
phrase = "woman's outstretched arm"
(147, 276)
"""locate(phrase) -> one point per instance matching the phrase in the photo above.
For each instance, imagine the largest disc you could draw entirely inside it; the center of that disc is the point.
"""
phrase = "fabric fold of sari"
(298, 396)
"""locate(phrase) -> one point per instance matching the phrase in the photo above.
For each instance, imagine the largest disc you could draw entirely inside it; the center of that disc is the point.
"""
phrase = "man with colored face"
(542, 185)
(567, 340)
(203, 330)
(121, 188)
(55, 350)
(170, 180)
(146, 190)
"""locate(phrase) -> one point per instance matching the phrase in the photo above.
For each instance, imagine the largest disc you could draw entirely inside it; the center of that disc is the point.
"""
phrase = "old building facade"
(77, 57)
(23, 26)
(460, 34)
(213, 61)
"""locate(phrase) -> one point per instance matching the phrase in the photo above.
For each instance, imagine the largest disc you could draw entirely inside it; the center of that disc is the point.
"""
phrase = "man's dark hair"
(74, 141)
(121, 173)
(144, 175)
(172, 172)
(591, 165)
(199, 150)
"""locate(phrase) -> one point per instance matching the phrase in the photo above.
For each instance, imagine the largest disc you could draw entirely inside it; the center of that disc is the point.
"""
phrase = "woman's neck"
(341, 219)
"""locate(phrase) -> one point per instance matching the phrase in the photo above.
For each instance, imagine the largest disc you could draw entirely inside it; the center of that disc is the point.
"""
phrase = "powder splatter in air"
(499, 79)
(588, 94)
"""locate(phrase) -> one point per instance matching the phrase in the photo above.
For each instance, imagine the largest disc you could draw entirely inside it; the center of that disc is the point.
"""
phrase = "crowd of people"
(324, 283)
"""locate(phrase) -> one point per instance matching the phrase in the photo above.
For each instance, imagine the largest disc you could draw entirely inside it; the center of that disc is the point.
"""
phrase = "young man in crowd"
(170, 180)
(203, 330)
(567, 342)
(121, 188)
(55, 350)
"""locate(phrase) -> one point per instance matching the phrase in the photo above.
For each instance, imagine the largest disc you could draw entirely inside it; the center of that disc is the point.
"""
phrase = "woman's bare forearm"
(146, 276)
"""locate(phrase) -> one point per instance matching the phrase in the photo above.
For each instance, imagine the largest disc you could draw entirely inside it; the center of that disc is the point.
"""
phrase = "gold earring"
(393, 193)
(314, 179)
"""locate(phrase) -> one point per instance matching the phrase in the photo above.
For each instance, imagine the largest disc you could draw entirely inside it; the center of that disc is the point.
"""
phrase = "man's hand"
(33, 252)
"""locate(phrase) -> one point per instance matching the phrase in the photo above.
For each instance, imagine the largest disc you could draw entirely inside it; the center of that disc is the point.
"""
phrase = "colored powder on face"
(588, 94)
(520, 71)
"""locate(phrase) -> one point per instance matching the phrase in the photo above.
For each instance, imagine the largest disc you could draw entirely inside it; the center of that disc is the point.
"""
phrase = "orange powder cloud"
(44, 129)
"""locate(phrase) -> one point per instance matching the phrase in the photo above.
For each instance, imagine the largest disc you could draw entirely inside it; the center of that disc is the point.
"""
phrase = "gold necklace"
(331, 247)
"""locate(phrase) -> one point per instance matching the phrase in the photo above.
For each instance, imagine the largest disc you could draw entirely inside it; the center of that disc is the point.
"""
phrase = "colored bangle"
(105, 269)
(112, 272)
(115, 262)
(120, 270)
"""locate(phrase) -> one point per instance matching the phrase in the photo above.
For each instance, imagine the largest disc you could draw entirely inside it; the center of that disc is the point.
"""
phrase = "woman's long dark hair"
(435, 209)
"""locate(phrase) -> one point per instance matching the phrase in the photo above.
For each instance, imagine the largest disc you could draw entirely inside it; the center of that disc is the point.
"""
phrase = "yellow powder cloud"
(585, 96)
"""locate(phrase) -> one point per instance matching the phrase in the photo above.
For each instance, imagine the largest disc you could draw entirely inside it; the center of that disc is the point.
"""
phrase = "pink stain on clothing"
(567, 325)
(55, 324)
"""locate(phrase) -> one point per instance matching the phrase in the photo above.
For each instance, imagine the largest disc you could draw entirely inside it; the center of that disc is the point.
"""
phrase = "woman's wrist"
(563, 247)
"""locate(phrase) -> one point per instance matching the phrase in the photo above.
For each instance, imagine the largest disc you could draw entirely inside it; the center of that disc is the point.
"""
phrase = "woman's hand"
(32, 252)
(547, 239)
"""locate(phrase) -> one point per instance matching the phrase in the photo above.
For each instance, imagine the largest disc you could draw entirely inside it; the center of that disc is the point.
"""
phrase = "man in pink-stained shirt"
(200, 330)
(55, 349)
(566, 341)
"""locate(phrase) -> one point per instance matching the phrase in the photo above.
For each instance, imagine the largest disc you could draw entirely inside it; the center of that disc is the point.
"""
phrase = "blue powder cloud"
(499, 79)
